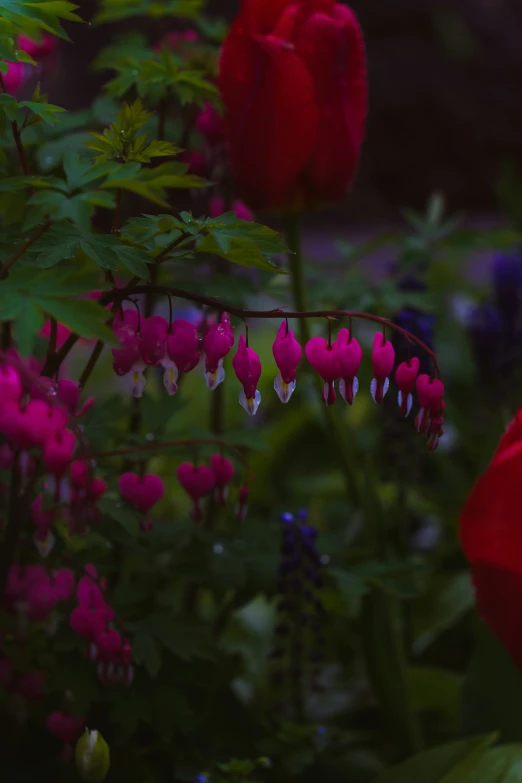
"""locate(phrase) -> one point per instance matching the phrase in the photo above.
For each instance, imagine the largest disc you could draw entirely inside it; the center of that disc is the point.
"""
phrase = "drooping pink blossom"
(182, 353)
(197, 483)
(31, 425)
(323, 357)
(142, 492)
(128, 359)
(153, 336)
(242, 503)
(58, 452)
(38, 49)
(223, 473)
(210, 124)
(64, 726)
(349, 354)
(11, 386)
(15, 77)
(383, 359)
(287, 354)
(217, 343)
(405, 376)
(247, 366)
(430, 392)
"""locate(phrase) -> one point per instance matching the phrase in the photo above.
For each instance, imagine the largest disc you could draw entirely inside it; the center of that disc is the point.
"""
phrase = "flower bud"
(92, 756)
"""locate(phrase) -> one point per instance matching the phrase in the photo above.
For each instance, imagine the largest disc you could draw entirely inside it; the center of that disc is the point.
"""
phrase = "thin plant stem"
(12, 531)
(91, 364)
(21, 250)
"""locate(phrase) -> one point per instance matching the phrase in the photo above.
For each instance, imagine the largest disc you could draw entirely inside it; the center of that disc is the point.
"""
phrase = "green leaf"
(439, 765)
(114, 10)
(83, 316)
(45, 111)
(240, 241)
(8, 106)
(29, 320)
(145, 651)
(125, 515)
(493, 690)
(448, 598)
(437, 691)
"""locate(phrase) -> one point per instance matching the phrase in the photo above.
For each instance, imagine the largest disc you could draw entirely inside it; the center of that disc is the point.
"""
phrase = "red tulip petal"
(499, 598)
(272, 115)
(262, 15)
(490, 528)
(332, 47)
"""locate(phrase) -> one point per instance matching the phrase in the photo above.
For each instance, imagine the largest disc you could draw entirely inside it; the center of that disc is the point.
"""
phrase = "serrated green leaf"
(85, 317)
(46, 111)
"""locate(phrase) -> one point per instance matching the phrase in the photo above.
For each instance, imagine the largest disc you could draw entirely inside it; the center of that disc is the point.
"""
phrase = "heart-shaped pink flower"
(141, 492)
(197, 482)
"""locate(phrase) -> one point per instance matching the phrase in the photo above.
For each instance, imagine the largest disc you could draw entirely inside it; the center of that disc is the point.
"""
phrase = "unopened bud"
(93, 758)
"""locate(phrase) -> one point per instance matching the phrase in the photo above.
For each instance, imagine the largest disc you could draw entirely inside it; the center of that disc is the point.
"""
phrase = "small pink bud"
(224, 473)
(383, 359)
(217, 343)
(405, 376)
(141, 492)
(287, 354)
(247, 366)
(325, 361)
(38, 49)
(197, 482)
(15, 77)
(217, 207)
(349, 354)
(79, 474)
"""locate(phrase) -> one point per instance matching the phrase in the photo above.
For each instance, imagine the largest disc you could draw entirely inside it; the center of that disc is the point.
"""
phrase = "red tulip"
(491, 536)
(293, 81)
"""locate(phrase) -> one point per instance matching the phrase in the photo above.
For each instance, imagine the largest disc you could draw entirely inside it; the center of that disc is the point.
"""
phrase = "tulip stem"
(295, 261)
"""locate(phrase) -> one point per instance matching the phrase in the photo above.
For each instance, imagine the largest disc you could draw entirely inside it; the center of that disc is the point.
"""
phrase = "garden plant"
(243, 536)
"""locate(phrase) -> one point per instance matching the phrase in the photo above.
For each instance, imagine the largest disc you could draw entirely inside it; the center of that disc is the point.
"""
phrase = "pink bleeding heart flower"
(89, 590)
(128, 359)
(65, 727)
(41, 600)
(405, 376)
(223, 474)
(69, 393)
(109, 644)
(32, 425)
(210, 124)
(242, 503)
(64, 580)
(324, 358)
(182, 353)
(349, 354)
(88, 623)
(217, 207)
(153, 334)
(217, 343)
(287, 354)
(43, 520)
(430, 392)
(142, 492)
(383, 359)
(58, 452)
(247, 366)
(11, 386)
(15, 77)
(37, 49)
(197, 482)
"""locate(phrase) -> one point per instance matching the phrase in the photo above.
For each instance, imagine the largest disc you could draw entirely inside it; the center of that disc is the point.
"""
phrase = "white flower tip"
(405, 404)
(284, 390)
(250, 404)
(213, 379)
(378, 393)
(45, 546)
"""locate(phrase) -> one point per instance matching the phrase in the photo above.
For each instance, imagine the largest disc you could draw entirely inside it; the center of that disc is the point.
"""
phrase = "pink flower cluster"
(33, 594)
(17, 73)
(198, 481)
(92, 619)
(42, 416)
